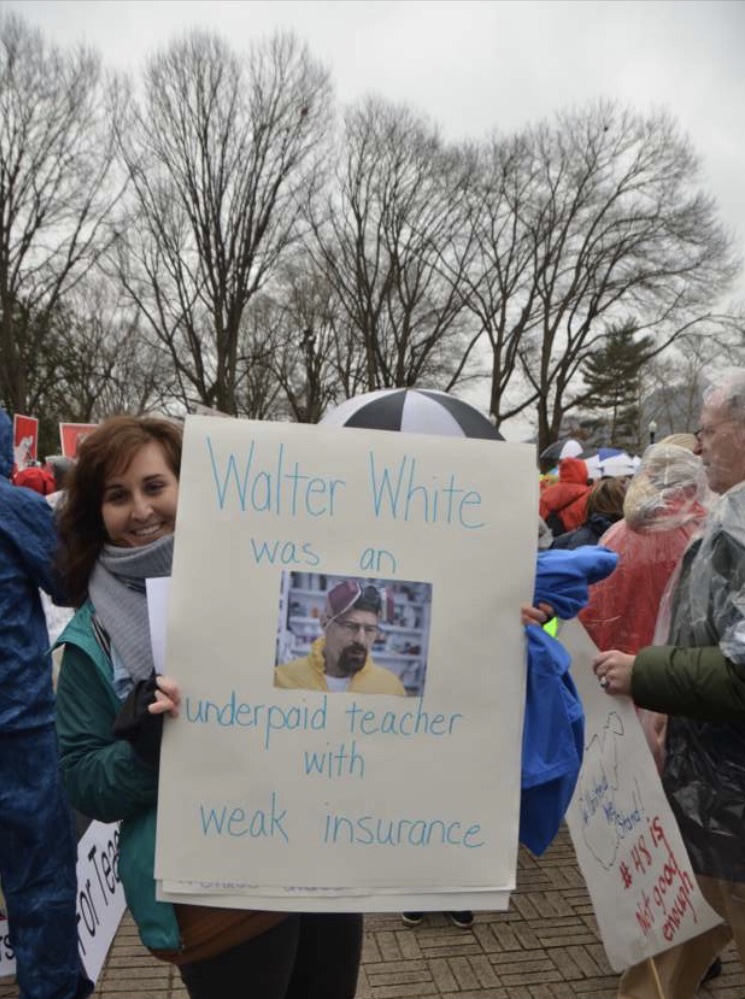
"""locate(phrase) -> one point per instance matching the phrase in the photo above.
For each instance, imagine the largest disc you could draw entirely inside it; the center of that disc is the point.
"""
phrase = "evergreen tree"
(613, 380)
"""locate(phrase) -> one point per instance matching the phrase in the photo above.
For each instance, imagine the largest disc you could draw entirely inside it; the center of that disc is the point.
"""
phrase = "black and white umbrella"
(412, 411)
(568, 447)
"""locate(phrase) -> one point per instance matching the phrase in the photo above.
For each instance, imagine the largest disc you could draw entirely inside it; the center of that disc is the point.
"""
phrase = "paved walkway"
(545, 947)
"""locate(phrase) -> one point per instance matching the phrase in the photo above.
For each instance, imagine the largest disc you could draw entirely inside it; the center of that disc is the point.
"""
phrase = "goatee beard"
(352, 659)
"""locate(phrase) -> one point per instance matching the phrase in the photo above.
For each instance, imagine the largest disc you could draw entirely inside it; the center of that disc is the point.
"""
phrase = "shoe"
(412, 918)
(463, 920)
(715, 970)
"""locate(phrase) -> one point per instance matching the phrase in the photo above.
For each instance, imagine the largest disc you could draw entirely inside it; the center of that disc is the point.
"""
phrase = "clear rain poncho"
(710, 604)
(704, 773)
(664, 508)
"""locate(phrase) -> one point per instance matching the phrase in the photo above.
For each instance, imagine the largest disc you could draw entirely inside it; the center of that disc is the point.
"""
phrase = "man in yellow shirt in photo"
(340, 660)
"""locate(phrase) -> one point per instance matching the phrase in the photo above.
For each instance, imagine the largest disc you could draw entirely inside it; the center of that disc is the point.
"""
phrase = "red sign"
(71, 436)
(25, 441)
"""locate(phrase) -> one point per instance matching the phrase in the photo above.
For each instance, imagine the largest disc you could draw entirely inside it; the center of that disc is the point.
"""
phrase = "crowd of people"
(663, 599)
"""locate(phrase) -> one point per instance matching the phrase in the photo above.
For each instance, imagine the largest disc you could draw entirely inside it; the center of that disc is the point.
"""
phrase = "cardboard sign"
(628, 844)
(25, 441)
(71, 436)
(100, 904)
(275, 787)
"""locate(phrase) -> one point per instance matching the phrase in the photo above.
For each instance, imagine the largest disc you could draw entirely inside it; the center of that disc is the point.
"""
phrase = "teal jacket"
(105, 779)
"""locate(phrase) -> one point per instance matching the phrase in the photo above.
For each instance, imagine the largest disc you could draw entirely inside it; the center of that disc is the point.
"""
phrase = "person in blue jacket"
(37, 840)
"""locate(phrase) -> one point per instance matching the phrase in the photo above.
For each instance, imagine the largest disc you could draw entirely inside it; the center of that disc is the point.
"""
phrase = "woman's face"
(139, 503)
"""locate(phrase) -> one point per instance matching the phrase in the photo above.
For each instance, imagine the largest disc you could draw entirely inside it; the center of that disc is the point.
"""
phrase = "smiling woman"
(117, 528)
(139, 502)
(127, 470)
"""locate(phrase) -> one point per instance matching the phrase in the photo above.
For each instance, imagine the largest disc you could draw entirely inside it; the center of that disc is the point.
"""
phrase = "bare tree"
(580, 225)
(58, 189)
(387, 244)
(259, 393)
(673, 383)
(318, 361)
(94, 361)
(222, 154)
(109, 365)
(498, 285)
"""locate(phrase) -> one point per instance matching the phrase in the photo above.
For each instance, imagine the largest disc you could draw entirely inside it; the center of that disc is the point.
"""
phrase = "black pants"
(307, 956)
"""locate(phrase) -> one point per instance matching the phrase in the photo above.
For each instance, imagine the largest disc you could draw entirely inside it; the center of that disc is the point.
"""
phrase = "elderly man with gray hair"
(699, 681)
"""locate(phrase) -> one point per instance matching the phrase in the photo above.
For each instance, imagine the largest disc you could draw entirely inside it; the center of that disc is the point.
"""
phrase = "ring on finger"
(603, 681)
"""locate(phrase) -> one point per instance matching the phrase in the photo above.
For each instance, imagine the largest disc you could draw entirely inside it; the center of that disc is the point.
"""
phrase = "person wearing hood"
(37, 478)
(663, 508)
(564, 505)
(37, 843)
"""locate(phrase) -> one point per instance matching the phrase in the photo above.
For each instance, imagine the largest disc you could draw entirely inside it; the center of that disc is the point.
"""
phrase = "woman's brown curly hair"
(108, 450)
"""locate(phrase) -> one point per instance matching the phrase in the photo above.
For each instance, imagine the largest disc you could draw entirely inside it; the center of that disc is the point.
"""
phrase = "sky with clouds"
(478, 65)
(474, 66)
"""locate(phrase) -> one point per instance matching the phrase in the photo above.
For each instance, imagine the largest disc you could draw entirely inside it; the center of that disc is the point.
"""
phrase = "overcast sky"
(478, 65)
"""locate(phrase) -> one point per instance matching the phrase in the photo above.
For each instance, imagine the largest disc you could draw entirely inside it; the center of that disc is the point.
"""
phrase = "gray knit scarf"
(117, 591)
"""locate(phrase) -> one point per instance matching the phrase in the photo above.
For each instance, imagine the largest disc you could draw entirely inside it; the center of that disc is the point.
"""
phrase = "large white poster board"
(411, 793)
(100, 903)
(628, 844)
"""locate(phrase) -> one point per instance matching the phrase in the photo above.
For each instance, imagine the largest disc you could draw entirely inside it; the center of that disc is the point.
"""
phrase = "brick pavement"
(545, 947)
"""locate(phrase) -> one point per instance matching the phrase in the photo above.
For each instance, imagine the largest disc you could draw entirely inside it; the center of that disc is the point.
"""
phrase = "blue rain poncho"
(37, 843)
(27, 545)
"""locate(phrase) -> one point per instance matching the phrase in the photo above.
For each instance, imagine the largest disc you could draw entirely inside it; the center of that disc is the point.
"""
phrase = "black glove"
(137, 726)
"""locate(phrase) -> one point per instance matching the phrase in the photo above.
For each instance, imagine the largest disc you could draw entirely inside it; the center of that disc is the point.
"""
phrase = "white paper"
(100, 904)
(382, 901)
(427, 810)
(157, 612)
(628, 845)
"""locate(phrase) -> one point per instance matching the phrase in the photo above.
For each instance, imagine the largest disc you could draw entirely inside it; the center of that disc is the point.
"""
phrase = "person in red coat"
(564, 505)
(663, 510)
(37, 478)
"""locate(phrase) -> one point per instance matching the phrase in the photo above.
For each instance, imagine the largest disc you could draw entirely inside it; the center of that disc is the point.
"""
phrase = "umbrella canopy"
(568, 447)
(600, 452)
(608, 461)
(594, 471)
(412, 411)
(622, 464)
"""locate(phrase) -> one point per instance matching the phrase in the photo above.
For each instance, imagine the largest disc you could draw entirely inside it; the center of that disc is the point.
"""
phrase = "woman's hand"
(167, 697)
(613, 670)
(536, 615)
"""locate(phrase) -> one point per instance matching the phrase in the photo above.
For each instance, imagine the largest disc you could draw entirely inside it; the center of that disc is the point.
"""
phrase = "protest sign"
(7, 960)
(71, 436)
(100, 903)
(305, 792)
(25, 441)
(628, 844)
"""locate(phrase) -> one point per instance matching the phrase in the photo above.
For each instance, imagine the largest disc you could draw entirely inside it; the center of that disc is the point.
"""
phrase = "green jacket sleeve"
(695, 682)
(102, 776)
